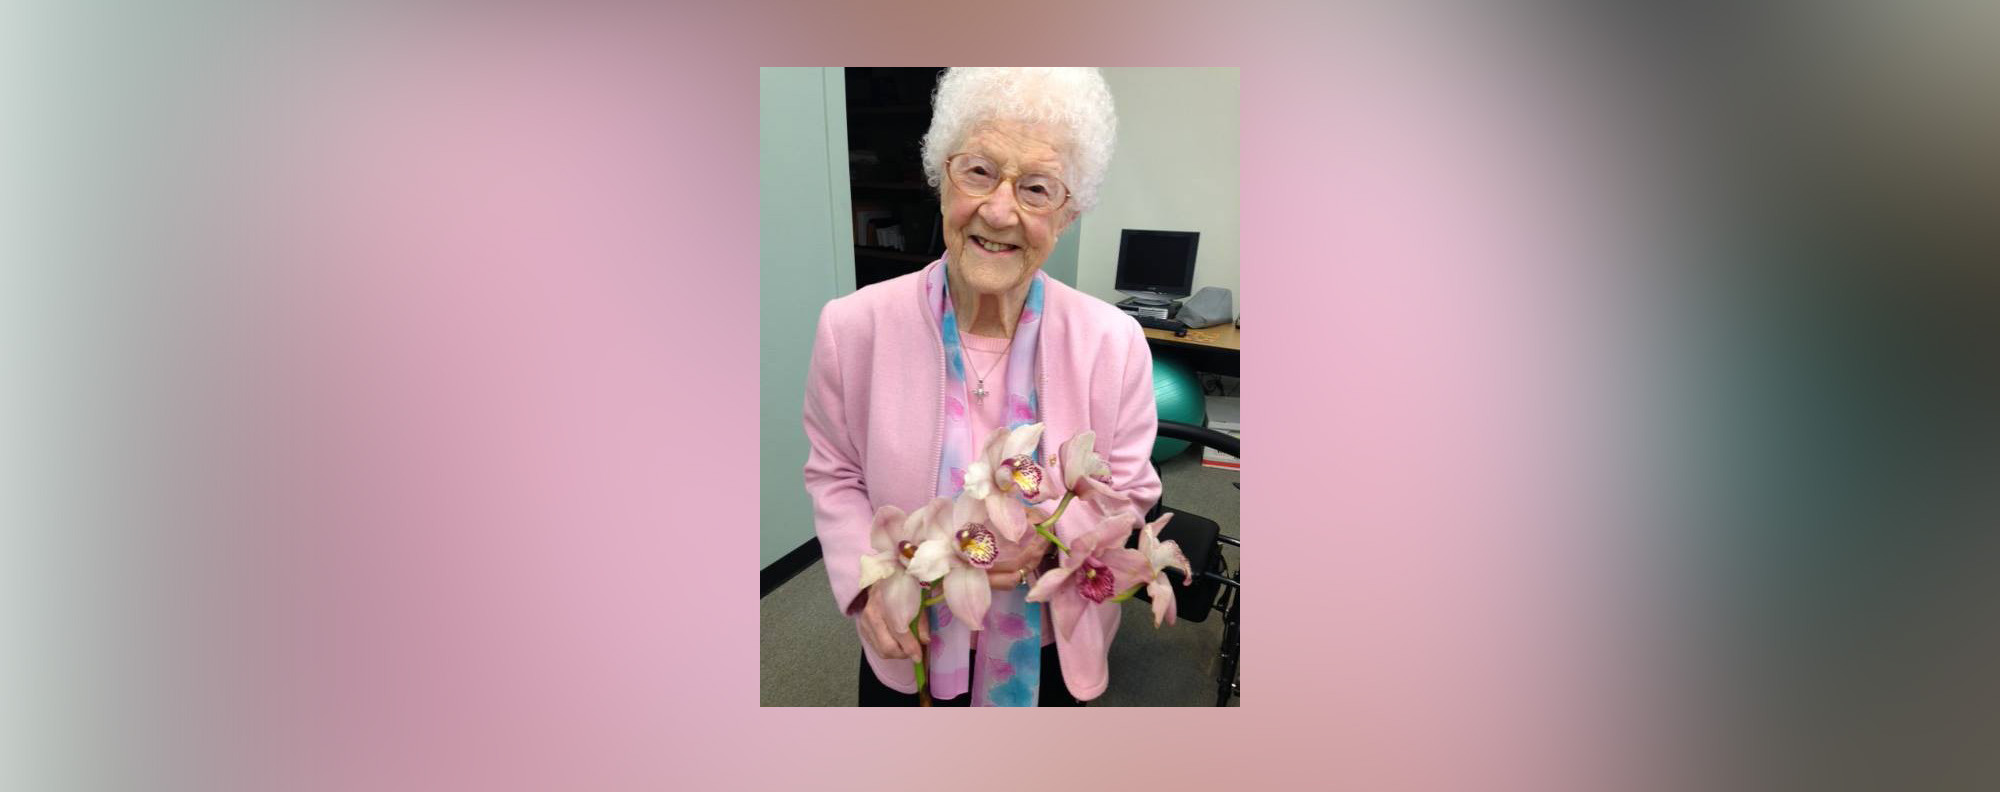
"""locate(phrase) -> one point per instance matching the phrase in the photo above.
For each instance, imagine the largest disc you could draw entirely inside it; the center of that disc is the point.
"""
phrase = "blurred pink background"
(392, 486)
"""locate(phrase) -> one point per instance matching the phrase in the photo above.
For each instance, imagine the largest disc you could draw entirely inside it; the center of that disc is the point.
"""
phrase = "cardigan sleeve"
(1128, 446)
(841, 510)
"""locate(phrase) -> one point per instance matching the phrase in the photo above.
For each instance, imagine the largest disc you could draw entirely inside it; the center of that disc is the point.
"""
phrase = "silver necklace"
(979, 391)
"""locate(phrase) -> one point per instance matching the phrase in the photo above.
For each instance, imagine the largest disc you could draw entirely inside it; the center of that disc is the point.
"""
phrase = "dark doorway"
(895, 211)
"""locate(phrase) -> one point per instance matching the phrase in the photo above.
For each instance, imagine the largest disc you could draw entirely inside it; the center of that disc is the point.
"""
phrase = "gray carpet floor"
(809, 653)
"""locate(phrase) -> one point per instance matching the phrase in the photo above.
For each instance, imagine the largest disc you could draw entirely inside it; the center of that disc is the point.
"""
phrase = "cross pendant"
(980, 392)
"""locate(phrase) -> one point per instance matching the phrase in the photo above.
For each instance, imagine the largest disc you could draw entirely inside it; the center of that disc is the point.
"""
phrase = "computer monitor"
(1154, 267)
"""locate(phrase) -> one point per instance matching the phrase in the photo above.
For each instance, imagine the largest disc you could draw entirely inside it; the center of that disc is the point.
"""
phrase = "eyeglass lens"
(980, 177)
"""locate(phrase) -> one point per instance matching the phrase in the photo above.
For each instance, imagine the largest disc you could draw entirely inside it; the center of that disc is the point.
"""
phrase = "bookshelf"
(895, 213)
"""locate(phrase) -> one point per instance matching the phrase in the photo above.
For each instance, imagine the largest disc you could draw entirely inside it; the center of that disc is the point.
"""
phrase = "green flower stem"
(1047, 527)
(1060, 507)
(927, 603)
(1129, 594)
(1046, 533)
(923, 691)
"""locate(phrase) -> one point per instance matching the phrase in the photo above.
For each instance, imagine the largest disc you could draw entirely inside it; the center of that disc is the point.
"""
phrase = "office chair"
(1215, 587)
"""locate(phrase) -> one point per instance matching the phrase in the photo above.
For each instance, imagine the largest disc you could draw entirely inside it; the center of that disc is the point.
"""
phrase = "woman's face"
(1024, 237)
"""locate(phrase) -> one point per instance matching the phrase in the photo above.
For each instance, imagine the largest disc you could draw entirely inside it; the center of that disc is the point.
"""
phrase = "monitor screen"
(1161, 262)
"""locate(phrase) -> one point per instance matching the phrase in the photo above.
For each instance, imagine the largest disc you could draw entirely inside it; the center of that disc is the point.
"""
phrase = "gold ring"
(1024, 576)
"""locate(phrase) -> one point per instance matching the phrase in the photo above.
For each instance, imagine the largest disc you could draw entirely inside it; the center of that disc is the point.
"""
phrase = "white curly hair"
(1074, 101)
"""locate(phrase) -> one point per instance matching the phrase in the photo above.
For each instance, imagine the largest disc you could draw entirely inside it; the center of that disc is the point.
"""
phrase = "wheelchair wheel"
(1227, 682)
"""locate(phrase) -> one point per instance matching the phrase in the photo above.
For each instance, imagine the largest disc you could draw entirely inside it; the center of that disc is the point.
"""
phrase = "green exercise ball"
(1179, 396)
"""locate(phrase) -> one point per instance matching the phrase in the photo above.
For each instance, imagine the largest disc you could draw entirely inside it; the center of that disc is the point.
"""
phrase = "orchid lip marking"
(977, 544)
(1097, 582)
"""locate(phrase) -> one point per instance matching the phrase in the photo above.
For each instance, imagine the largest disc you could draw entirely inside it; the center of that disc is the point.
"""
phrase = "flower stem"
(1129, 594)
(1060, 507)
(1047, 527)
(923, 679)
(1052, 538)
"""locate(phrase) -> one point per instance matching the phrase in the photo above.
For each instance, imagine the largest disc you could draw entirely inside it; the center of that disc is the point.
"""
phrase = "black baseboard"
(789, 566)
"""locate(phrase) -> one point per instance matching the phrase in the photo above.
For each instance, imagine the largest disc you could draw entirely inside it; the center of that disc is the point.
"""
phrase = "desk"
(1220, 337)
(1211, 349)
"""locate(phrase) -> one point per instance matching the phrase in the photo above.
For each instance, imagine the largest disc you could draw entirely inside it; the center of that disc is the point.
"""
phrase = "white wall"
(806, 257)
(1175, 169)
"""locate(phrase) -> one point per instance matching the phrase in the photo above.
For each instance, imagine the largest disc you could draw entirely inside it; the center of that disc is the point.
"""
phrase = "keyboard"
(1158, 324)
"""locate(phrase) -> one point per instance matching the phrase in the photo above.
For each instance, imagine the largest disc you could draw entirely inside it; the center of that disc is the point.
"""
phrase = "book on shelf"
(868, 217)
(885, 232)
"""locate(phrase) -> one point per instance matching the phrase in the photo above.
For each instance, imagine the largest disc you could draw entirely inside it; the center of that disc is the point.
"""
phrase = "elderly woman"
(909, 375)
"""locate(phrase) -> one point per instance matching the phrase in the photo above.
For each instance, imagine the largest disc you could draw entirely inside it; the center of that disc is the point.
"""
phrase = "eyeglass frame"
(1067, 192)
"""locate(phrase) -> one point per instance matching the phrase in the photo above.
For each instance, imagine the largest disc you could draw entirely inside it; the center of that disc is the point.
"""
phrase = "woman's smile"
(996, 248)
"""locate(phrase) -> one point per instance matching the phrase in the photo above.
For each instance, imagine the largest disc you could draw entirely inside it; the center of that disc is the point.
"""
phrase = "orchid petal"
(1068, 608)
(932, 560)
(928, 522)
(1074, 456)
(1100, 494)
(978, 480)
(989, 452)
(878, 567)
(1097, 467)
(1081, 464)
(968, 594)
(900, 600)
(1113, 530)
(1009, 518)
(1022, 440)
(1163, 555)
(967, 510)
(1080, 548)
(1109, 533)
(1096, 582)
(977, 546)
(884, 529)
(1030, 478)
(1167, 555)
(1046, 586)
(1162, 593)
(1128, 567)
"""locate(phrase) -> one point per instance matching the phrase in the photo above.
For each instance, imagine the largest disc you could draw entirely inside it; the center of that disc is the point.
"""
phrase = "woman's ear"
(1063, 221)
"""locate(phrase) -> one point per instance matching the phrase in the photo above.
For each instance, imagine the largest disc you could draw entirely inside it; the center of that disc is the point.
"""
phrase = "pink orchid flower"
(1006, 465)
(1097, 568)
(903, 559)
(1086, 475)
(1161, 556)
(966, 548)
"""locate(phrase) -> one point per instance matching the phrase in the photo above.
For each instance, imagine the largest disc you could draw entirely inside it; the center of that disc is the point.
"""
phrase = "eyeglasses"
(979, 177)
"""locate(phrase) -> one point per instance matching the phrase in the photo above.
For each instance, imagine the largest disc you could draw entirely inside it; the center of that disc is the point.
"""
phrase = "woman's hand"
(892, 641)
(1005, 574)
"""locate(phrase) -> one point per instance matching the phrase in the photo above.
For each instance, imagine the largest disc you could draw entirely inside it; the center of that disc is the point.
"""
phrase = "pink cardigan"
(874, 417)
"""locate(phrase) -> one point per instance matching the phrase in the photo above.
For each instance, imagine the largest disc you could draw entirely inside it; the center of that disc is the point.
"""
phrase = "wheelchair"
(1215, 587)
